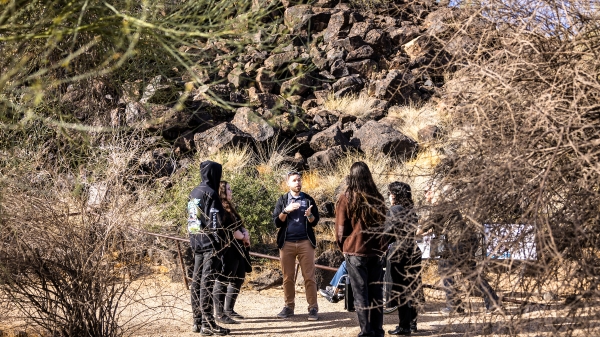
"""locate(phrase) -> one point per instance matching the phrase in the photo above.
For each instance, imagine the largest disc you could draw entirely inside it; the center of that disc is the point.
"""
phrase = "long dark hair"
(228, 205)
(364, 200)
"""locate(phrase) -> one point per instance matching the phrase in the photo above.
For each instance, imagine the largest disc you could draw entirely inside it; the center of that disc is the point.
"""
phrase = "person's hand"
(307, 213)
(292, 207)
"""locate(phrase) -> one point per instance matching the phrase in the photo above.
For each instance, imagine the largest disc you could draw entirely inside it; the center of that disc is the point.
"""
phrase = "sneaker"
(234, 314)
(330, 289)
(325, 292)
(313, 314)
(449, 311)
(196, 328)
(286, 312)
(213, 330)
(333, 298)
(225, 319)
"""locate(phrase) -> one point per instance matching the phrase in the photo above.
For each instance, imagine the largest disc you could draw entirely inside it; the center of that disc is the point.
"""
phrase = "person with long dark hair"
(360, 215)
(404, 256)
(229, 282)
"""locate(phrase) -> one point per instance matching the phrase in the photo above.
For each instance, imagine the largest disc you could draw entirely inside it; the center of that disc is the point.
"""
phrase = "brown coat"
(353, 236)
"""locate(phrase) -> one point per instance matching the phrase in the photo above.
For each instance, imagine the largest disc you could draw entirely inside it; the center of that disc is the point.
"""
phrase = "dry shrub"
(524, 107)
(355, 105)
(412, 118)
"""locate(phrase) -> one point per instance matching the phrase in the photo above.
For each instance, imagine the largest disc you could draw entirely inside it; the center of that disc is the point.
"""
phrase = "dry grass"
(415, 118)
(355, 105)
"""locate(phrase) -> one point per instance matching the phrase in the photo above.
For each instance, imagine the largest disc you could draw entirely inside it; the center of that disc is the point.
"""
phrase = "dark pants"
(461, 258)
(206, 266)
(228, 284)
(365, 275)
(405, 274)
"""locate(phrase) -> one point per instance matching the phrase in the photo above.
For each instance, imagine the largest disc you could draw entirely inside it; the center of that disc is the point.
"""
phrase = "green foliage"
(254, 198)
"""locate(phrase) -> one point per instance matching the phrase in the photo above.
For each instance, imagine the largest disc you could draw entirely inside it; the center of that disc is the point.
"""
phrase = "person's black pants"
(206, 266)
(405, 274)
(461, 258)
(365, 275)
(229, 283)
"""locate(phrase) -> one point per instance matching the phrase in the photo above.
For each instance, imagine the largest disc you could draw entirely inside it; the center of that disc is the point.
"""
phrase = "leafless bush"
(524, 104)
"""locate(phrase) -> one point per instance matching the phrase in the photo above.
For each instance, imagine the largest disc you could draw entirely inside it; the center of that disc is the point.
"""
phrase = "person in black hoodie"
(403, 256)
(207, 240)
(296, 215)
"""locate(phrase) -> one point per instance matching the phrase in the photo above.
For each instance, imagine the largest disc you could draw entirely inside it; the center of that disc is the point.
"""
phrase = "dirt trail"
(260, 309)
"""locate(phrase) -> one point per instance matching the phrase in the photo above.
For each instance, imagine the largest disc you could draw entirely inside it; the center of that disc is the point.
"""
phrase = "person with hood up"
(207, 240)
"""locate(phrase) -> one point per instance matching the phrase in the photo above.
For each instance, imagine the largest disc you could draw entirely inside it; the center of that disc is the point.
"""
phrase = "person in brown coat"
(360, 216)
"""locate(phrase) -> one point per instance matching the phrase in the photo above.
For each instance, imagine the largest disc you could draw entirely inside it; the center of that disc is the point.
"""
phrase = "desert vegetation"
(106, 111)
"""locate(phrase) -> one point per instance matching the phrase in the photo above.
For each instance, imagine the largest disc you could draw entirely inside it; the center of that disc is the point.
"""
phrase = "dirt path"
(260, 308)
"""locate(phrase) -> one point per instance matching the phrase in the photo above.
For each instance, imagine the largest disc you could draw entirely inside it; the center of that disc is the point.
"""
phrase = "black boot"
(399, 331)
(213, 330)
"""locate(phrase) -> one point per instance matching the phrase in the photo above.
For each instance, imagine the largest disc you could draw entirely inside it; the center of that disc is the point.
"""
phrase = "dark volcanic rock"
(267, 279)
(330, 258)
(363, 52)
(348, 81)
(364, 67)
(328, 138)
(247, 121)
(221, 136)
(337, 21)
(277, 60)
(298, 85)
(429, 133)
(324, 159)
(265, 80)
(374, 137)
(396, 86)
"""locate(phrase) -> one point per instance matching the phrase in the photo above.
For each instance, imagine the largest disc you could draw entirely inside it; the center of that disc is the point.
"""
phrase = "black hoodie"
(205, 211)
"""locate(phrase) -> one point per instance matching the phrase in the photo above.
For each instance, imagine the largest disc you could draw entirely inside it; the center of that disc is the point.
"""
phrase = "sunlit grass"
(355, 105)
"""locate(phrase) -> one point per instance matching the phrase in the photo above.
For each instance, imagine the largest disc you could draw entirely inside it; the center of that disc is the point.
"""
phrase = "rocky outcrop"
(374, 137)
(221, 136)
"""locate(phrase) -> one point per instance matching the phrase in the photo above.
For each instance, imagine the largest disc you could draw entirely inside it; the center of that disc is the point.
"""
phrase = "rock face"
(330, 258)
(329, 138)
(221, 136)
(326, 158)
(374, 137)
(249, 122)
(267, 279)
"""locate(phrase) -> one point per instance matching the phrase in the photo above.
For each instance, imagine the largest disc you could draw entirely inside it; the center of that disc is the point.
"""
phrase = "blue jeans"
(342, 271)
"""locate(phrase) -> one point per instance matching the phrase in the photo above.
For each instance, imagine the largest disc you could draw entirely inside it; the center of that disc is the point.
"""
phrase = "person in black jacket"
(207, 239)
(296, 215)
(235, 263)
(404, 256)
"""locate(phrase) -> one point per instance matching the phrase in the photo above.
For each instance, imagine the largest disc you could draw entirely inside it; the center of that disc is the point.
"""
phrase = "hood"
(211, 174)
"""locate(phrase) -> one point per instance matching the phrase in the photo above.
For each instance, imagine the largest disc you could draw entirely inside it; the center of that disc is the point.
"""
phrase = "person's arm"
(314, 217)
(238, 235)
(341, 220)
(277, 218)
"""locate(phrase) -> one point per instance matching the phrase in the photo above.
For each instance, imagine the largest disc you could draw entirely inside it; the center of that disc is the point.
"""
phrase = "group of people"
(369, 235)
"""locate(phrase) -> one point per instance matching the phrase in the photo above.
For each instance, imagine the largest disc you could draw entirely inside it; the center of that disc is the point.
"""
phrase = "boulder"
(317, 58)
(396, 86)
(159, 91)
(163, 118)
(298, 85)
(236, 77)
(330, 258)
(374, 137)
(296, 18)
(346, 91)
(219, 137)
(429, 133)
(157, 163)
(360, 29)
(337, 21)
(339, 69)
(321, 96)
(416, 48)
(249, 122)
(185, 142)
(325, 159)
(267, 101)
(302, 139)
(377, 38)
(267, 279)
(352, 43)
(277, 60)
(364, 52)
(336, 53)
(400, 36)
(288, 123)
(348, 81)
(363, 67)
(328, 138)
(265, 80)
